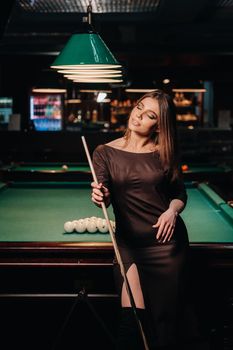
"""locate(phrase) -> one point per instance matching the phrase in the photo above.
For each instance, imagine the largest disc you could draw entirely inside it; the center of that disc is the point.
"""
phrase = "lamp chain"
(89, 11)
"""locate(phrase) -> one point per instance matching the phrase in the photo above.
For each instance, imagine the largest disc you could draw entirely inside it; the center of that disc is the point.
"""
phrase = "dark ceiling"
(43, 26)
(139, 32)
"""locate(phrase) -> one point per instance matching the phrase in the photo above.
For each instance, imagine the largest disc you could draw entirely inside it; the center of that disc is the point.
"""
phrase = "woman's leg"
(135, 286)
(129, 335)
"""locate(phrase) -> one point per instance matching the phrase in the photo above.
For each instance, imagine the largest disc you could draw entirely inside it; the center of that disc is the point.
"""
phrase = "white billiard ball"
(93, 220)
(75, 222)
(99, 222)
(102, 226)
(69, 226)
(64, 167)
(86, 220)
(91, 226)
(80, 226)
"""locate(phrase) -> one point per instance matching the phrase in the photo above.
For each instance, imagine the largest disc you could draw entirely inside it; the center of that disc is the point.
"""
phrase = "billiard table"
(45, 171)
(41, 262)
(32, 216)
(34, 213)
(204, 172)
(54, 171)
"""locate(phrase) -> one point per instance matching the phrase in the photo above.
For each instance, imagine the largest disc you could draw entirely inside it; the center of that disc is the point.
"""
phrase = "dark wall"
(19, 73)
(48, 146)
(223, 92)
(210, 145)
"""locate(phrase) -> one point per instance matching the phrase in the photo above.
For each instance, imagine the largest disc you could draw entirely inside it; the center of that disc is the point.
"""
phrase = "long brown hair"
(166, 138)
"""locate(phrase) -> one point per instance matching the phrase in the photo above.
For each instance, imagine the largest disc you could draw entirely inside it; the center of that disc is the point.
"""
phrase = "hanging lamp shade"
(110, 73)
(87, 58)
(94, 75)
(96, 80)
(87, 50)
(92, 72)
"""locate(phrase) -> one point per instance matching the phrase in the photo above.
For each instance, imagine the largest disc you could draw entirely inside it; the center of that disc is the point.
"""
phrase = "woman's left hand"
(166, 224)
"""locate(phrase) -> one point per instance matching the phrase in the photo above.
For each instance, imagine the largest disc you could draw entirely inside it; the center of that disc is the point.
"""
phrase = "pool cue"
(116, 249)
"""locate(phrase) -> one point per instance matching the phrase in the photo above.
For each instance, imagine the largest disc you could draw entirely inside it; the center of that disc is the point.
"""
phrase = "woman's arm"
(167, 220)
(177, 205)
(100, 194)
(100, 191)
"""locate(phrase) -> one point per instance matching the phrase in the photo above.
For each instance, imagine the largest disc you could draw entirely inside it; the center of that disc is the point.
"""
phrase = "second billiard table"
(45, 171)
(205, 171)
(80, 171)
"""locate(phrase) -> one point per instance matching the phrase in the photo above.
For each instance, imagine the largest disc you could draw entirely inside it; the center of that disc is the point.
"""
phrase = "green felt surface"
(2, 185)
(45, 166)
(37, 212)
(206, 169)
(57, 167)
(227, 211)
(206, 221)
(50, 168)
(211, 194)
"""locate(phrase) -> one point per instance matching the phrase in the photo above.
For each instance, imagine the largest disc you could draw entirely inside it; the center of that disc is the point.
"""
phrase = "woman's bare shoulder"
(118, 143)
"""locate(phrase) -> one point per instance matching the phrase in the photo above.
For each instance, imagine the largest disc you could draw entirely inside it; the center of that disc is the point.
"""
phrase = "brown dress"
(140, 192)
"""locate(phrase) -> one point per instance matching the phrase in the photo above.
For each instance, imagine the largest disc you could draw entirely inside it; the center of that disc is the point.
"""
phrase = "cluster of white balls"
(92, 224)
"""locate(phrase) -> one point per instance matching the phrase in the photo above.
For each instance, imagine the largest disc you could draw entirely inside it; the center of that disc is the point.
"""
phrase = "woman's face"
(144, 118)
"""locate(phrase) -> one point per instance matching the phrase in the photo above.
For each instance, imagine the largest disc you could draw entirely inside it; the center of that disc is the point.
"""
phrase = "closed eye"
(151, 116)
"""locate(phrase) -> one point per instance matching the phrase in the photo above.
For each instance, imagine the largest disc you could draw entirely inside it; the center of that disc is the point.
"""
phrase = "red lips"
(135, 122)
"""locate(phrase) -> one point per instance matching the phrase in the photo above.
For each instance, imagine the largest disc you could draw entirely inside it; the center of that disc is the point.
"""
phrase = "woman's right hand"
(100, 194)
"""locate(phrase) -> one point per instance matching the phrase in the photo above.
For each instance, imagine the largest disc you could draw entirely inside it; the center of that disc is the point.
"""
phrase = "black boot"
(129, 336)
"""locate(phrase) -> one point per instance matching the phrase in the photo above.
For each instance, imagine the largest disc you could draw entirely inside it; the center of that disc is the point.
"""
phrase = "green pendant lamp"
(87, 50)
(86, 53)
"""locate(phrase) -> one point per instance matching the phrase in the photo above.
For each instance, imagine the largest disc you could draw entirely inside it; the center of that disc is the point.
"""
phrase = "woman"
(139, 175)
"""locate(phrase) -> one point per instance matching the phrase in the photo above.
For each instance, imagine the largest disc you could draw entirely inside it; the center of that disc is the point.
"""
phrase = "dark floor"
(37, 324)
